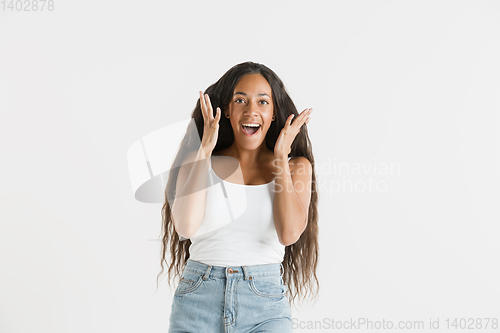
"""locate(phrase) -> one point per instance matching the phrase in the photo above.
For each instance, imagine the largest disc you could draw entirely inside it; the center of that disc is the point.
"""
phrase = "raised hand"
(289, 132)
(211, 127)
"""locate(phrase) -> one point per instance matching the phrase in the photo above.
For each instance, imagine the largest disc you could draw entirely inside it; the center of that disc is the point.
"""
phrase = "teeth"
(251, 125)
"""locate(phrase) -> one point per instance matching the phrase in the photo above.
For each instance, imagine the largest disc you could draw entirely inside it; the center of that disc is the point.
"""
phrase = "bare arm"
(189, 205)
(293, 189)
(188, 208)
(291, 199)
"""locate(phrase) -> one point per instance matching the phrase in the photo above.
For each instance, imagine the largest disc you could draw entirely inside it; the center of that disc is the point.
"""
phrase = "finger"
(305, 113)
(297, 122)
(202, 100)
(308, 117)
(217, 116)
(302, 118)
(289, 121)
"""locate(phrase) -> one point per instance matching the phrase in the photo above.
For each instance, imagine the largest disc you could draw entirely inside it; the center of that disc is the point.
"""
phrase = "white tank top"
(238, 226)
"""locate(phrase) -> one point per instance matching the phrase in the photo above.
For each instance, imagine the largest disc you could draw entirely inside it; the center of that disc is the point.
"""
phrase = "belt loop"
(245, 273)
(207, 272)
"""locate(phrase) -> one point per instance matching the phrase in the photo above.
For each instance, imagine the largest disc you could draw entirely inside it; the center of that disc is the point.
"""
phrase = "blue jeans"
(241, 299)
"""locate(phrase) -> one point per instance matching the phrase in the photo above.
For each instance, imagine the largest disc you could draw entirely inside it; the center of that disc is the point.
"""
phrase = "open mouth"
(250, 130)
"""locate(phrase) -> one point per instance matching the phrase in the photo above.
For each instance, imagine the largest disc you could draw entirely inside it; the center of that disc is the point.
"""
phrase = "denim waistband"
(234, 271)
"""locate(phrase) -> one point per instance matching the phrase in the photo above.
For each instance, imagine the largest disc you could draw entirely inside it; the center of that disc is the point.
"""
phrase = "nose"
(252, 108)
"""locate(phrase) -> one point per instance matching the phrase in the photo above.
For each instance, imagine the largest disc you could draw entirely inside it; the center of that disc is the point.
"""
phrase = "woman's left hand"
(290, 131)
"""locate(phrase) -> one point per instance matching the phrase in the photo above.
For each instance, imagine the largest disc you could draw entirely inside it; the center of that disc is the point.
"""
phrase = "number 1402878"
(27, 5)
(472, 323)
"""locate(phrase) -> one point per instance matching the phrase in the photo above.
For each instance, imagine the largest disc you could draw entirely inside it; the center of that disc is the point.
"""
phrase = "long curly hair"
(301, 258)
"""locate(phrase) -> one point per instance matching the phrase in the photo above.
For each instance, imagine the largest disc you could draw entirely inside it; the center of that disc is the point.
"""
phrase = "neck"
(249, 156)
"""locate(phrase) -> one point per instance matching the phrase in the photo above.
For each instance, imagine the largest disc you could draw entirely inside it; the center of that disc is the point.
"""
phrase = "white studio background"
(409, 85)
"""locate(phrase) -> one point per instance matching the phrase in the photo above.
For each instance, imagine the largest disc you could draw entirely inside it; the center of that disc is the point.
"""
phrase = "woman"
(241, 239)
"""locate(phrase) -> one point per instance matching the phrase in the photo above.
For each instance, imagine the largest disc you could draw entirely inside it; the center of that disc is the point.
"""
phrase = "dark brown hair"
(301, 258)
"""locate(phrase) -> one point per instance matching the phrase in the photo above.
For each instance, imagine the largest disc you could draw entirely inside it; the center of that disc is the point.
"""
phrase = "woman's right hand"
(211, 127)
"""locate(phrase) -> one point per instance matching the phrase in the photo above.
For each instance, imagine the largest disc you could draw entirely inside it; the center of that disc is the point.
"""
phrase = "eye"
(238, 99)
(265, 101)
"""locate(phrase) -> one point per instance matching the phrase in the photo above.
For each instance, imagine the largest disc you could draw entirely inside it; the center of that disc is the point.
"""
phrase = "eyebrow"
(242, 93)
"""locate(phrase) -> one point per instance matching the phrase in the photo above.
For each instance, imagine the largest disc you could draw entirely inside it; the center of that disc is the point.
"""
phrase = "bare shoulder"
(300, 164)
